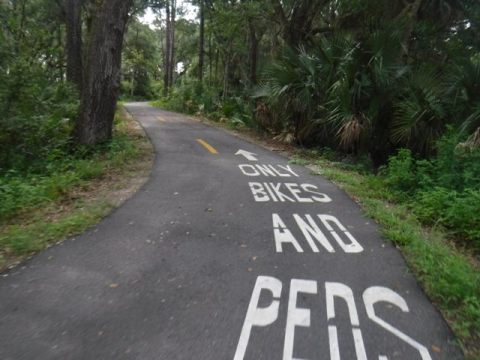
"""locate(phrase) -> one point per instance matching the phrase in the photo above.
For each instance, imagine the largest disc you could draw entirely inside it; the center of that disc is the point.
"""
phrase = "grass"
(449, 275)
(39, 210)
(23, 239)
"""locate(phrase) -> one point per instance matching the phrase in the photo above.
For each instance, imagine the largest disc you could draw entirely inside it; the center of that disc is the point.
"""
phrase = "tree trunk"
(210, 59)
(171, 59)
(201, 53)
(166, 65)
(163, 52)
(73, 22)
(61, 61)
(226, 74)
(297, 23)
(411, 15)
(102, 76)
(253, 53)
(216, 65)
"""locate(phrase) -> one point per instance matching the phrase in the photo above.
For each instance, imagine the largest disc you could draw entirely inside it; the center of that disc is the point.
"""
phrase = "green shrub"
(456, 167)
(455, 211)
(37, 128)
(89, 169)
(17, 192)
(442, 191)
(22, 190)
(400, 172)
(194, 97)
(462, 216)
(429, 206)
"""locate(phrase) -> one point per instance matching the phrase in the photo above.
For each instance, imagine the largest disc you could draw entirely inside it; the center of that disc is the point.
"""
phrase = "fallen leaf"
(436, 349)
(114, 285)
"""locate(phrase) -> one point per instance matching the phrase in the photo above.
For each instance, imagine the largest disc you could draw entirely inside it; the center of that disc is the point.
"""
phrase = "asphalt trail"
(203, 263)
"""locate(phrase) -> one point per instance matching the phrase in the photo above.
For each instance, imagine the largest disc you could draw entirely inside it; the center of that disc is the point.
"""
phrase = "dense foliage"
(39, 105)
(36, 107)
(442, 191)
(358, 76)
(141, 62)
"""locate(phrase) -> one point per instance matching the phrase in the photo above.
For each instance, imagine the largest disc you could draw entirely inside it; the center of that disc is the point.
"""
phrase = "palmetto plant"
(359, 106)
(292, 87)
(345, 112)
(420, 111)
(464, 93)
(378, 85)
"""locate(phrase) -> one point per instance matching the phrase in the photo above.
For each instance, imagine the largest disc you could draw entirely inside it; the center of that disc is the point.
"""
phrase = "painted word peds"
(335, 296)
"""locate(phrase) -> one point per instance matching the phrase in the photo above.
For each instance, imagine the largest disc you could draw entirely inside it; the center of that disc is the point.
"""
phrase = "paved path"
(221, 256)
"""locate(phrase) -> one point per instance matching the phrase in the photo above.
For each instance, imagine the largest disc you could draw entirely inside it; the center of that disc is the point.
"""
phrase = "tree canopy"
(360, 76)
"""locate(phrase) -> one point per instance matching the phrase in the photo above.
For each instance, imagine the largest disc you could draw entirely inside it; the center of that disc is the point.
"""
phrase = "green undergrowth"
(197, 98)
(20, 191)
(449, 274)
(38, 208)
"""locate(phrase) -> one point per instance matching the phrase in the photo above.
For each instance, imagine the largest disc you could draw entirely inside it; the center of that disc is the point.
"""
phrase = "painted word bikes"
(336, 296)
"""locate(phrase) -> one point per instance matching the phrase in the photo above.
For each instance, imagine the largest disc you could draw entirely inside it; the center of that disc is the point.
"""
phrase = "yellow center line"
(207, 146)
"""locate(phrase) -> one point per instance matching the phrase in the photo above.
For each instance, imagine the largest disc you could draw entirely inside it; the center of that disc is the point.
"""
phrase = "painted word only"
(261, 316)
(287, 192)
(267, 170)
(313, 234)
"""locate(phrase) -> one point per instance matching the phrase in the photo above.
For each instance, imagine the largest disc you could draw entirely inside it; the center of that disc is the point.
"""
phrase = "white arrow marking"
(250, 156)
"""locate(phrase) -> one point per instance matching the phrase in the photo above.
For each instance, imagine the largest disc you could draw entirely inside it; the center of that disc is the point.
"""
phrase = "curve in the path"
(221, 256)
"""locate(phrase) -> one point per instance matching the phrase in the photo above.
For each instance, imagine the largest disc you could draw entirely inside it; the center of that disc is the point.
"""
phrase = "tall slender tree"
(169, 50)
(171, 60)
(166, 52)
(201, 50)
